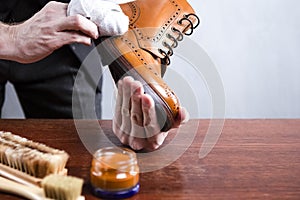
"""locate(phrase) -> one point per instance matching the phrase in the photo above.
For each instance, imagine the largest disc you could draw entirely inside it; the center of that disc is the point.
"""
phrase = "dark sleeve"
(6, 8)
(44, 2)
(19, 10)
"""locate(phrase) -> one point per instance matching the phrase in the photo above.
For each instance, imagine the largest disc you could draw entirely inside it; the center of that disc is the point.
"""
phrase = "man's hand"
(46, 31)
(135, 122)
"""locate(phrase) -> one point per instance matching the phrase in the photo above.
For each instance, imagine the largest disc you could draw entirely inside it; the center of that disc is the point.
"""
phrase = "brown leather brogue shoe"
(143, 52)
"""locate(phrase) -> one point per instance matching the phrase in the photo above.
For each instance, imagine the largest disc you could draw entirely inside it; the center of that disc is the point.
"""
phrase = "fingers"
(137, 143)
(156, 141)
(125, 108)
(69, 29)
(128, 118)
(150, 123)
(57, 12)
(182, 118)
(55, 7)
(76, 29)
(154, 137)
(135, 121)
(118, 106)
(117, 119)
(79, 23)
(64, 38)
(136, 113)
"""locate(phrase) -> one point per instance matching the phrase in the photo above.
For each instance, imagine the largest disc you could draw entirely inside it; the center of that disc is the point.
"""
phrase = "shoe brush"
(54, 186)
(34, 165)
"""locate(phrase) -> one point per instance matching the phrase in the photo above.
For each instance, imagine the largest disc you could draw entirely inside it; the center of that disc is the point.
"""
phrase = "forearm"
(46, 31)
(7, 44)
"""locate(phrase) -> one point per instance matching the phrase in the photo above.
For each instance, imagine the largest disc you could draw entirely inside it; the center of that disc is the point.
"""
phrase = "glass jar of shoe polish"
(114, 173)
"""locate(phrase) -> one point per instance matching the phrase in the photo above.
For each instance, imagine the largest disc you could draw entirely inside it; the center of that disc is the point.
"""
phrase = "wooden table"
(253, 159)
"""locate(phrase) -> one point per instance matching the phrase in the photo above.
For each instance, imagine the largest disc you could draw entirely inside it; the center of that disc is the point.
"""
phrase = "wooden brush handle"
(28, 192)
(19, 176)
(22, 177)
(34, 192)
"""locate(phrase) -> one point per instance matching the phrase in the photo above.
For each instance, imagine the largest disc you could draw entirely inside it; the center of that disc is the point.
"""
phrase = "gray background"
(255, 46)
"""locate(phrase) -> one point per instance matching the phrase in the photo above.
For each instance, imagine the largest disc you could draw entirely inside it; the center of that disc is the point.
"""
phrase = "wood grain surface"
(253, 159)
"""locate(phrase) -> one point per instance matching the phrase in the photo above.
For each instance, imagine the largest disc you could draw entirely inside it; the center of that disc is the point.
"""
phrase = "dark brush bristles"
(33, 158)
(62, 187)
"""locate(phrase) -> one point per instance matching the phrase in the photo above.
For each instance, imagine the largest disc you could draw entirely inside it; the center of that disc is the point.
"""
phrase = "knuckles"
(76, 21)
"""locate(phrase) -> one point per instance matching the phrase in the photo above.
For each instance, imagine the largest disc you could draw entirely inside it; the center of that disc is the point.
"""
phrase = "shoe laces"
(175, 40)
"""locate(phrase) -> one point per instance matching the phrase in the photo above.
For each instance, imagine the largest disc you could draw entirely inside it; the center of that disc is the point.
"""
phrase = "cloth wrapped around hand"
(106, 14)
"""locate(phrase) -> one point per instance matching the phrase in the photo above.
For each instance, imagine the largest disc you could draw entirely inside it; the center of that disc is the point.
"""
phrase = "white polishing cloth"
(106, 14)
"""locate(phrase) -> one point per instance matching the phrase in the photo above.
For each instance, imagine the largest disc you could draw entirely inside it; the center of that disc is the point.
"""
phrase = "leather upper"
(152, 20)
(156, 27)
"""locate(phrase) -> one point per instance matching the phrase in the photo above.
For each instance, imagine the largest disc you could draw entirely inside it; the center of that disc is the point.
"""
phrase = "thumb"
(182, 117)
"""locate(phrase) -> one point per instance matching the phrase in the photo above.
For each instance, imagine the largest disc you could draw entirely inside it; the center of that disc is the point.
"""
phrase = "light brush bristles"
(33, 158)
(62, 187)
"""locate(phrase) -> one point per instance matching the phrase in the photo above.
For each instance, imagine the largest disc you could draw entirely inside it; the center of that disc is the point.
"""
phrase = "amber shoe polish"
(114, 173)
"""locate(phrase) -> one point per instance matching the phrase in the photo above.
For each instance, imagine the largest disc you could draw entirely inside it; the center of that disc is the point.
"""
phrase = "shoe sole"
(119, 66)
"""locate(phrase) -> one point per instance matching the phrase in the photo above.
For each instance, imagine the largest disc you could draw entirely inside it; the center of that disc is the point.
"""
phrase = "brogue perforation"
(155, 30)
